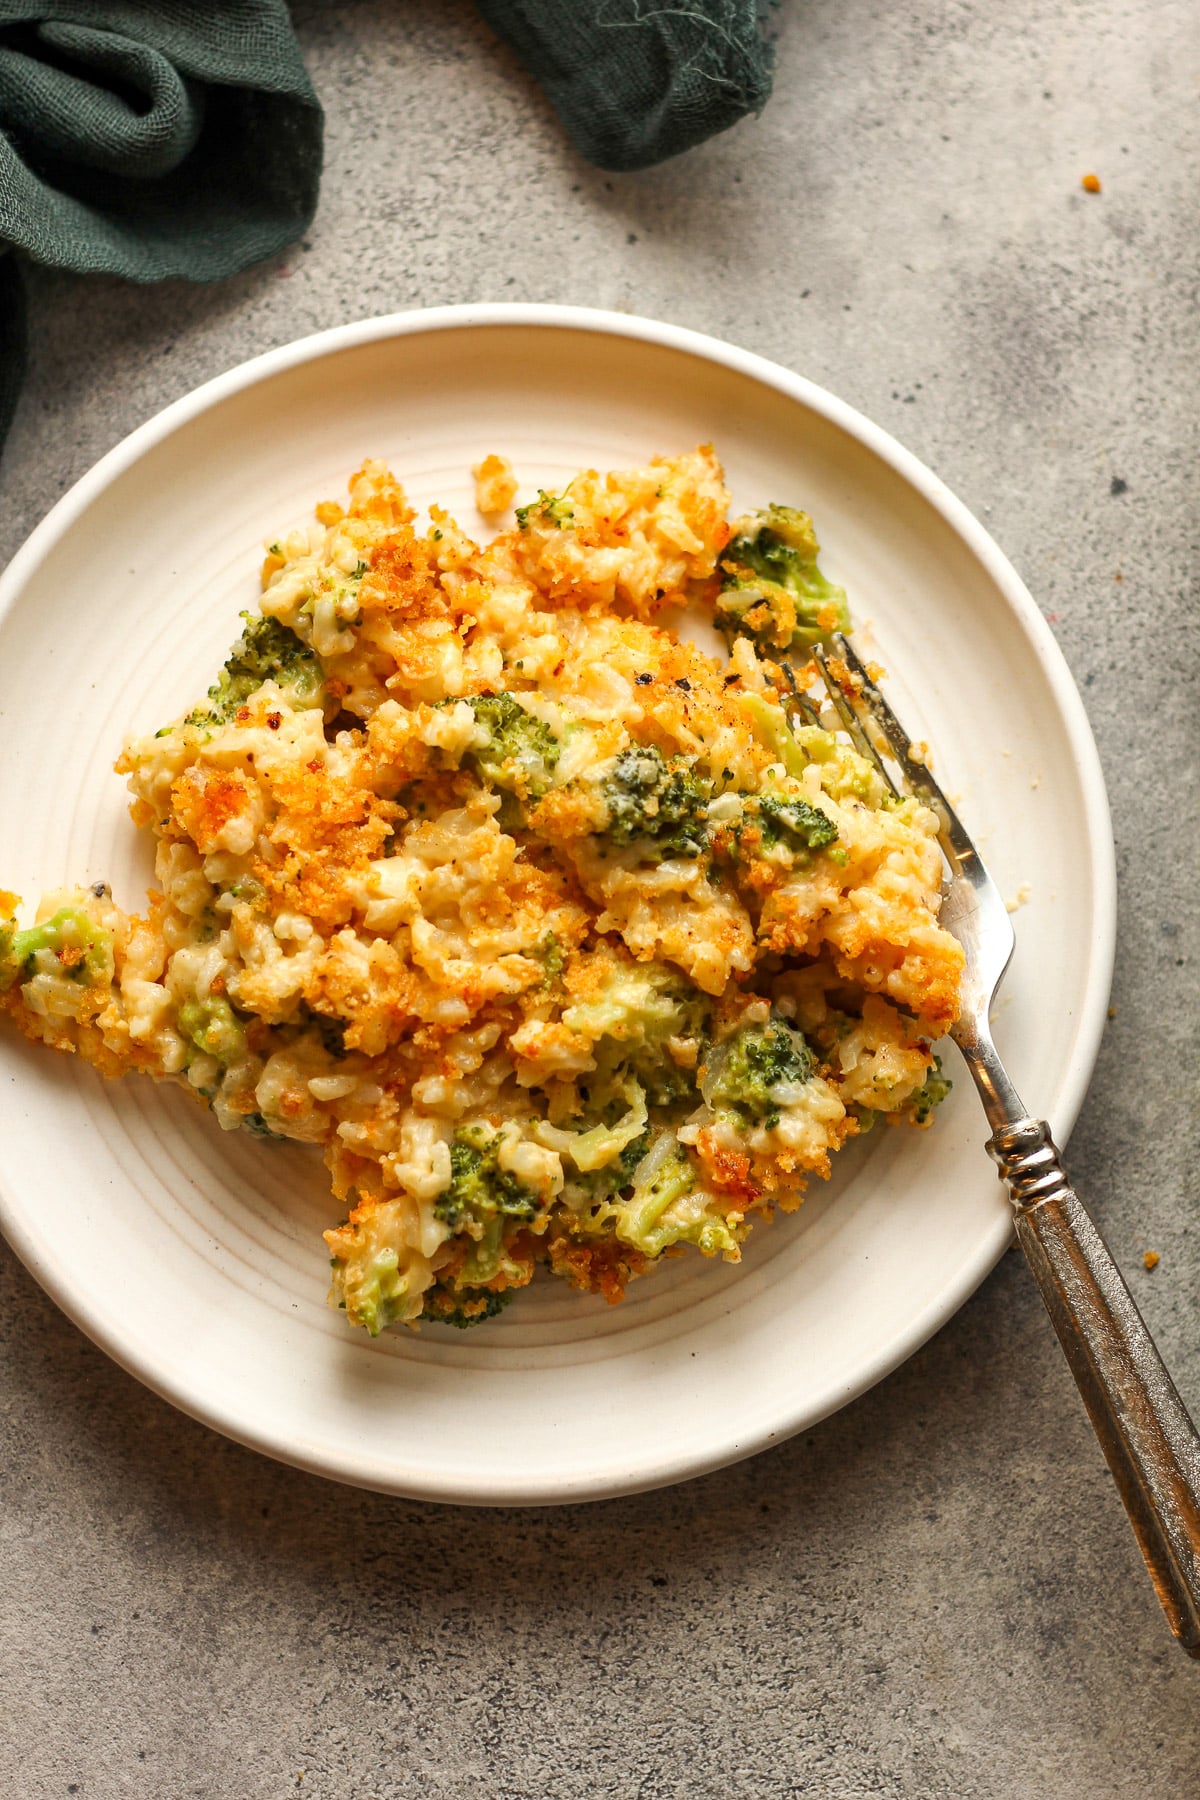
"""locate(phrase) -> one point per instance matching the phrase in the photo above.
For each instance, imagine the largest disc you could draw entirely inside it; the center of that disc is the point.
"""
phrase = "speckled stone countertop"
(934, 1594)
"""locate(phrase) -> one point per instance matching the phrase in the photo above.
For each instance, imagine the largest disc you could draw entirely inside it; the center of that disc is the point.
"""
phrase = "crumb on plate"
(495, 485)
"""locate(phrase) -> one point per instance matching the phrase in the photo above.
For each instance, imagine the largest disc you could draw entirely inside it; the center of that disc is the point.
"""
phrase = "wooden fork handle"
(1150, 1442)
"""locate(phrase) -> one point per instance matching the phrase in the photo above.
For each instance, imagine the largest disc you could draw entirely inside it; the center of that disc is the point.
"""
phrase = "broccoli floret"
(595, 1187)
(521, 752)
(69, 944)
(629, 1022)
(774, 590)
(257, 1126)
(490, 1255)
(845, 775)
(625, 1164)
(651, 1062)
(662, 803)
(931, 1093)
(266, 651)
(480, 1190)
(553, 509)
(783, 817)
(674, 1179)
(247, 890)
(214, 1028)
(332, 1033)
(775, 731)
(372, 1290)
(371, 1279)
(665, 1208)
(463, 1307)
(623, 1117)
(745, 1073)
(553, 959)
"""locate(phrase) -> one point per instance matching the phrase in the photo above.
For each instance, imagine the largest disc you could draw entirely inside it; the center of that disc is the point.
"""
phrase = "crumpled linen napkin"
(158, 138)
(637, 81)
(147, 139)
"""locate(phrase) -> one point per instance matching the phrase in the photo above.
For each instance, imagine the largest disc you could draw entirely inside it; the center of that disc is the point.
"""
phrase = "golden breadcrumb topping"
(546, 925)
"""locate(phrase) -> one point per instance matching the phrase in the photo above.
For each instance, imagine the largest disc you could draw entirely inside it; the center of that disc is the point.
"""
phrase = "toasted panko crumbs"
(542, 924)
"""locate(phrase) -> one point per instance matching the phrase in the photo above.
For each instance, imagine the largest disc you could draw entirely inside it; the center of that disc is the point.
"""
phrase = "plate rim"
(1072, 716)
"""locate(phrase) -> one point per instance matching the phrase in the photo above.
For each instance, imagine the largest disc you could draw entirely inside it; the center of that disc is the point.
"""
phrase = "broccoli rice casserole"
(563, 939)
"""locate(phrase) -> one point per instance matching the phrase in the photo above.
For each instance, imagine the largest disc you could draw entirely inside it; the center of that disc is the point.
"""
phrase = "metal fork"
(1151, 1444)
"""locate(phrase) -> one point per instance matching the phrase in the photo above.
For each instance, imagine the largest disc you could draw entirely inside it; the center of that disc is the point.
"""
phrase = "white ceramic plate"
(195, 1258)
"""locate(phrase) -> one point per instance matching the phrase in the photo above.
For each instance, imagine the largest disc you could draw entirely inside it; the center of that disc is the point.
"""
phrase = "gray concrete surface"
(934, 1594)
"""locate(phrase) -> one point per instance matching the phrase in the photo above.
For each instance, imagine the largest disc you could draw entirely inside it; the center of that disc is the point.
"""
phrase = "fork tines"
(876, 732)
(795, 702)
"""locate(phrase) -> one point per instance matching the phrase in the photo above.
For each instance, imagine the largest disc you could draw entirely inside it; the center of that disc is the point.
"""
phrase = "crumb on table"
(1151, 1259)
(1090, 184)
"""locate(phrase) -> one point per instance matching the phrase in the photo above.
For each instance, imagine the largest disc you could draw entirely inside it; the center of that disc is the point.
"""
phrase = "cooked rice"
(502, 987)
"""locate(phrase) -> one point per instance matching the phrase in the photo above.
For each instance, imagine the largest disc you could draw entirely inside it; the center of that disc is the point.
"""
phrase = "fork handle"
(1151, 1444)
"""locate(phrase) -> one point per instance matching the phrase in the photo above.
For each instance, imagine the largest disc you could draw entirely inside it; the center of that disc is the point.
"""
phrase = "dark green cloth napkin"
(148, 138)
(156, 138)
(637, 81)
